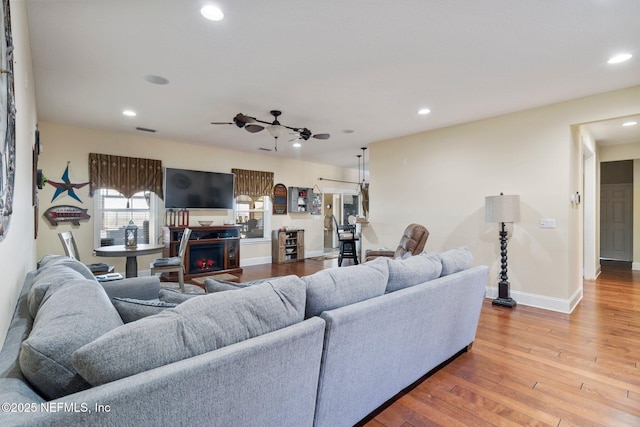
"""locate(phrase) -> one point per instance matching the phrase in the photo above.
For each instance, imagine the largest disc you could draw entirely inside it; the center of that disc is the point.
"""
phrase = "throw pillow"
(176, 297)
(455, 260)
(131, 309)
(75, 314)
(196, 326)
(142, 287)
(340, 286)
(412, 271)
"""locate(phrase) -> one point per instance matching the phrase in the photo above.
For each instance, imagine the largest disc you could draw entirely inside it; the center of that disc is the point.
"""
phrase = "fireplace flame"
(205, 264)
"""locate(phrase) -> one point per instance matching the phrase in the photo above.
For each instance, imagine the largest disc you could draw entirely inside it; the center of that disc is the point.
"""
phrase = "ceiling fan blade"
(243, 118)
(252, 128)
(322, 136)
(221, 123)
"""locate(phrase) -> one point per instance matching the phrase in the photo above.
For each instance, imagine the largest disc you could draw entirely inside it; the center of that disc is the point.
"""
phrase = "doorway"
(616, 210)
(616, 222)
(341, 204)
(610, 148)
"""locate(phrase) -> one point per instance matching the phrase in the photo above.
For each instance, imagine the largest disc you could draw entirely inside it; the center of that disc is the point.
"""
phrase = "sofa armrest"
(147, 287)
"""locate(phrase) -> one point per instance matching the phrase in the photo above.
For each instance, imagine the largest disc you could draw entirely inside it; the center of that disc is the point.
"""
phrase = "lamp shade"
(502, 208)
(276, 131)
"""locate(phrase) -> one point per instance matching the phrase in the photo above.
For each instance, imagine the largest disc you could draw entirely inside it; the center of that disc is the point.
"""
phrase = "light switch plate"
(547, 223)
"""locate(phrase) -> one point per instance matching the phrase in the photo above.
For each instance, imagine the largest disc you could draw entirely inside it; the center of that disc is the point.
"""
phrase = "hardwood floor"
(530, 366)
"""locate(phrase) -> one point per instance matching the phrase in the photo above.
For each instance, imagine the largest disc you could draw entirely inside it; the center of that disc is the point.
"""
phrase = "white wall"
(63, 143)
(440, 178)
(17, 250)
(591, 205)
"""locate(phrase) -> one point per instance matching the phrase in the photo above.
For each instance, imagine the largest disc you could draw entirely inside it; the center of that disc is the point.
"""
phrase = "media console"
(211, 250)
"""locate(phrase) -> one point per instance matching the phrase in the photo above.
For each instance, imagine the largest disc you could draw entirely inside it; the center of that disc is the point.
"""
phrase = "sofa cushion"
(15, 390)
(53, 271)
(131, 309)
(412, 271)
(455, 260)
(339, 286)
(74, 264)
(72, 315)
(194, 327)
(215, 285)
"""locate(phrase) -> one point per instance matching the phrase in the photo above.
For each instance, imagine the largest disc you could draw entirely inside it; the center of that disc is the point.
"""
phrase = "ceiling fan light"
(276, 131)
(296, 143)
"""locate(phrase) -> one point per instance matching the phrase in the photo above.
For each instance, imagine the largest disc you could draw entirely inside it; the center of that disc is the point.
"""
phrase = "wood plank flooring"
(529, 366)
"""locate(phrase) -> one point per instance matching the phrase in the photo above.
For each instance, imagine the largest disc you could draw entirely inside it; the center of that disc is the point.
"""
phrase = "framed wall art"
(7, 122)
(279, 199)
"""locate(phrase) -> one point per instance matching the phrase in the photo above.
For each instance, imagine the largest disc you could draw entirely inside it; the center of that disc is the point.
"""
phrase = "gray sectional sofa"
(324, 350)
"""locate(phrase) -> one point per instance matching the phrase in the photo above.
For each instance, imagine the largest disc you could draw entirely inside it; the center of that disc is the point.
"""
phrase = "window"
(113, 212)
(254, 216)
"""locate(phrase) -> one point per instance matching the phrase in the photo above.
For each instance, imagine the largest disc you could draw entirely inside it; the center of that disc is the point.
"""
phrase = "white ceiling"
(612, 131)
(363, 65)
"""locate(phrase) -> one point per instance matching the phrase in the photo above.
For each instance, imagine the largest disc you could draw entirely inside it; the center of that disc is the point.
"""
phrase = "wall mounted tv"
(189, 189)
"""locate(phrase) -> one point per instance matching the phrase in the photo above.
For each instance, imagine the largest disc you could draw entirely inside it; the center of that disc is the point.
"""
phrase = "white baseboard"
(598, 270)
(635, 265)
(314, 254)
(541, 301)
(267, 260)
(255, 261)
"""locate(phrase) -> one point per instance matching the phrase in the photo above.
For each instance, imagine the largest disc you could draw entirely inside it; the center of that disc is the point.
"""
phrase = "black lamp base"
(504, 302)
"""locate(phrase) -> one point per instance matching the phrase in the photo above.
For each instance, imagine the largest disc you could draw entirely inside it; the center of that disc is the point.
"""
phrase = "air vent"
(145, 129)
(264, 149)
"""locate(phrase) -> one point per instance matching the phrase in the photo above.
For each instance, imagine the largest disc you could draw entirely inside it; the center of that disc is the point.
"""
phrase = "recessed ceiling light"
(619, 58)
(424, 111)
(129, 113)
(632, 123)
(156, 80)
(212, 13)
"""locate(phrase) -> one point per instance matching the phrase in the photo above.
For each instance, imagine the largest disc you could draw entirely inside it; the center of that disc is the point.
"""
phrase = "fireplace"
(210, 250)
(206, 258)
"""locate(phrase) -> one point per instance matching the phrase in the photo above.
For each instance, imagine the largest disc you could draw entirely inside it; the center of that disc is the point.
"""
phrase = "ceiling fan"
(275, 128)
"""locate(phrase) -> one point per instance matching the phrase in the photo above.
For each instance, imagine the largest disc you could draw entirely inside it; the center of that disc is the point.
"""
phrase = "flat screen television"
(189, 189)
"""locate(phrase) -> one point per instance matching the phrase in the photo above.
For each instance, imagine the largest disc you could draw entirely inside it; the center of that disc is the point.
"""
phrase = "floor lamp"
(503, 209)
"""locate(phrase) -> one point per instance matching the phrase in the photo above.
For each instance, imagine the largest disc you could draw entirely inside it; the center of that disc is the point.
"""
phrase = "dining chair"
(174, 264)
(71, 250)
(348, 238)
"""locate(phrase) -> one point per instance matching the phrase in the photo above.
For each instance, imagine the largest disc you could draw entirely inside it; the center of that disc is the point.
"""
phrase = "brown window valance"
(254, 184)
(128, 175)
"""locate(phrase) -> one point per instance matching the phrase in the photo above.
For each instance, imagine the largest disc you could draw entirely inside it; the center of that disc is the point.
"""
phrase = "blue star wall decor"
(66, 185)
